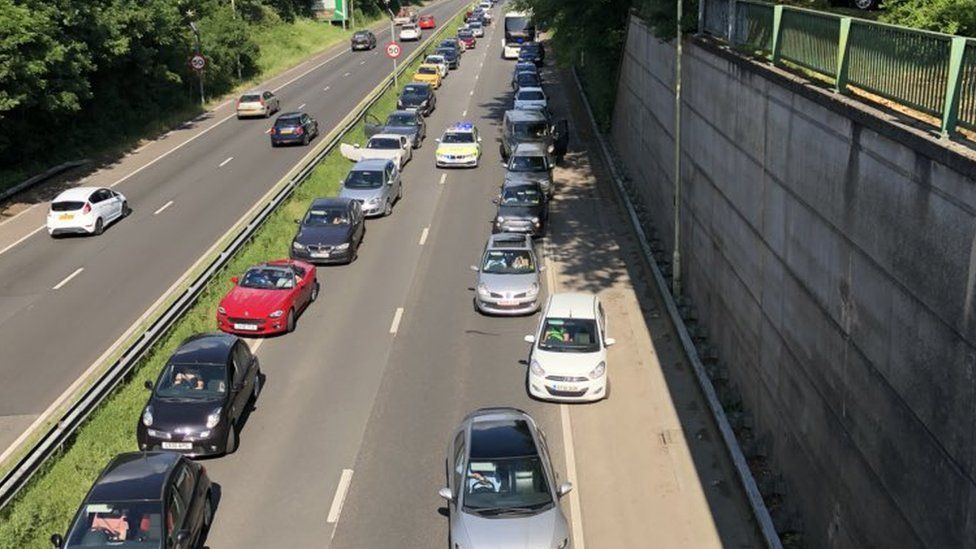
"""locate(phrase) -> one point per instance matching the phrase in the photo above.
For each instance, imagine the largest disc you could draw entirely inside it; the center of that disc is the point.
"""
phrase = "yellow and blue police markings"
(459, 146)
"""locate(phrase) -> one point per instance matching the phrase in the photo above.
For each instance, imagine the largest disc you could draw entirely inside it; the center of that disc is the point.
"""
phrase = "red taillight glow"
(299, 131)
(86, 209)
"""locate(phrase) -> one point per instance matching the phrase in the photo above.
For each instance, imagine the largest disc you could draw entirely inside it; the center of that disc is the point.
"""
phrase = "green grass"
(284, 45)
(47, 504)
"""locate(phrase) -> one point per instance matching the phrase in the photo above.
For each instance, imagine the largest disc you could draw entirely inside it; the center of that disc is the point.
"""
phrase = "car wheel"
(230, 445)
(207, 513)
(305, 140)
(99, 226)
(126, 210)
(389, 208)
(257, 386)
(290, 326)
(315, 291)
(399, 192)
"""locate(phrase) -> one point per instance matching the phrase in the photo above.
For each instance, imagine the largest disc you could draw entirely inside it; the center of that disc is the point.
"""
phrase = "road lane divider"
(54, 427)
(397, 316)
(163, 208)
(443, 178)
(68, 278)
(423, 235)
(345, 479)
(225, 162)
(302, 106)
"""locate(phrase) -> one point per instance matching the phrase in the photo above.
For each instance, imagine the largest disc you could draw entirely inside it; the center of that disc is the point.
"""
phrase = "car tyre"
(290, 325)
(305, 140)
(126, 210)
(256, 392)
(315, 292)
(208, 511)
(230, 445)
(99, 226)
(388, 209)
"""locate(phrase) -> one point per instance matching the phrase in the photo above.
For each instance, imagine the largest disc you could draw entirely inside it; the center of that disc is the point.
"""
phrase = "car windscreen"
(527, 79)
(458, 137)
(192, 381)
(361, 34)
(383, 143)
(318, 217)
(434, 59)
(506, 486)
(362, 179)
(426, 70)
(66, 206)
(475, 24)
(251, 98)
(508, 262)
(117, 524)
(465, 34)
(401, 119)
(265, 278)
(530, 95)
(569, 335)
(448, 53)
(532, 129)
(522, 163)
(521, 195)
(518, 24)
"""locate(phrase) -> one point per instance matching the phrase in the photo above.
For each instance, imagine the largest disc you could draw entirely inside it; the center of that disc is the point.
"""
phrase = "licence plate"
(177, 446)
(507, 302)
(248, 327)
(566, 388)
(320, 254)
(64, 217)
(287, 130)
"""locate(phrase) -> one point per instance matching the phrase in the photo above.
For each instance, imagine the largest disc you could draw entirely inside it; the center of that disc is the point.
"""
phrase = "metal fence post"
(843, 58)
(777, 18)
(950, 112)
(730, 23)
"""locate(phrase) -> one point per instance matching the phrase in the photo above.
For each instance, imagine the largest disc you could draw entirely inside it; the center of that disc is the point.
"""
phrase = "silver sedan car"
(508, 277)
(501, 490)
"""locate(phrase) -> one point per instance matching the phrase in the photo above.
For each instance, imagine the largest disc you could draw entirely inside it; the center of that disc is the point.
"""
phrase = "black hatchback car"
(198, 401)
(294, 127)
(522, 208)
(144, 499)
(362, 40)
(330, 232)
(418, 96)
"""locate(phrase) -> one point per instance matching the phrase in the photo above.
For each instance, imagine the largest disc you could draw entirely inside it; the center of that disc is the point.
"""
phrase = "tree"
(949, 16)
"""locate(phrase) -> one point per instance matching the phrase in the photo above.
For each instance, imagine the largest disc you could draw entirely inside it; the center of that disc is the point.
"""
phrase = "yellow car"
(428, 73)
(460, 146)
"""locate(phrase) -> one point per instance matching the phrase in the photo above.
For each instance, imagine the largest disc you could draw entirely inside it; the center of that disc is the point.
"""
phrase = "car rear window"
(427, 70)
(287, 122)
(251, 98)
(531, 95)
(66, 206)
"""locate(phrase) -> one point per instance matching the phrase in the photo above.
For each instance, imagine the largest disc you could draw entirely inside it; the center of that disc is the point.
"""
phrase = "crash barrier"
(928, 72)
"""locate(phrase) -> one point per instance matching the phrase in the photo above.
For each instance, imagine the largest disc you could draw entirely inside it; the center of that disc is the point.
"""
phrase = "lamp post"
(676, 259)
(392, 39)
(196, 33)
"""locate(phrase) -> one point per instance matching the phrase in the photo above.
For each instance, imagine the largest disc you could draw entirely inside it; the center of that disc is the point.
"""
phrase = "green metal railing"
(929, 72)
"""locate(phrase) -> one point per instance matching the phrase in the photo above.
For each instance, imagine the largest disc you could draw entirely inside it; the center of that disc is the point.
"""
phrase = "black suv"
(144, 499)
(363, 40)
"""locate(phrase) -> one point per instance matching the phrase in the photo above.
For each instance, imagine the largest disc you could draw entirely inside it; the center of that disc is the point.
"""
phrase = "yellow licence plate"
(65, 217)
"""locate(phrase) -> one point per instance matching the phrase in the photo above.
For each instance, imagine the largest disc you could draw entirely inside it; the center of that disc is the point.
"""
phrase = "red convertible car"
(268, 298)
(426, 22)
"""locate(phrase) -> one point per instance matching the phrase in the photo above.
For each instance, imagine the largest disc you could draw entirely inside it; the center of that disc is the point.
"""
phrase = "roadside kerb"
(744, 474)
(179, 299)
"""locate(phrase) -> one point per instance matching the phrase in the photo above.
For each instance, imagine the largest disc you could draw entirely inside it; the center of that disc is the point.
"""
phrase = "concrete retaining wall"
(832, 258)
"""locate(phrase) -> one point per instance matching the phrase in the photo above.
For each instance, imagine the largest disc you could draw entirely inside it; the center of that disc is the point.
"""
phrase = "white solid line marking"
(576, 517)
(163, 207)
(423, 235)
(325, 89)
(68, 278)
(347, 74)
(396, 320)
(302, 106)
(225, 162)
(465, 113)
(340, 496)
(255, 344)
(443, 178)
(23, 238)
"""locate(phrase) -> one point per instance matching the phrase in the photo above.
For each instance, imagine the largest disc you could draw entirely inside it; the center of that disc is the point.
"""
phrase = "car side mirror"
(234, 279)
(355, 145)
(494, 201)
(438, 140)
(564, 489)
(609, 341)
(529, 338)
(57, 541)
(148, 385)
(542, 268)
(446, 493)
(479, 140)
(298, 222)
(474, 268)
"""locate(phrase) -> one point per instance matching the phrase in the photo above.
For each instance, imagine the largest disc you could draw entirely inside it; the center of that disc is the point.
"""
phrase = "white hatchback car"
(568, 361)
(410, 31)
(85, 210)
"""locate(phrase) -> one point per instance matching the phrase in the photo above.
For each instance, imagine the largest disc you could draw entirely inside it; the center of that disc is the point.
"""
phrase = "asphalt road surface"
(182, 204)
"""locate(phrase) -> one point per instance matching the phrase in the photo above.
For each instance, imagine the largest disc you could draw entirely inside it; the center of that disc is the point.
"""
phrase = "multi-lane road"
(184, 199)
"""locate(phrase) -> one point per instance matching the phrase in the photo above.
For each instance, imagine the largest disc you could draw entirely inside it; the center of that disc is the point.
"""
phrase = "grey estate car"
(501, 487)
(508, 277)
(375, 184)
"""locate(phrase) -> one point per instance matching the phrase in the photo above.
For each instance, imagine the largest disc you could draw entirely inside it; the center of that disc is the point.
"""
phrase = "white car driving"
(85, 210)
(382, 145)
(568, 360)
(410, 31)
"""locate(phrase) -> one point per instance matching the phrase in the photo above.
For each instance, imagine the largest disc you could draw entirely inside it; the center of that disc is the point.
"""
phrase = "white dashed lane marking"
(396, 320)
(225, 162)
(163, 207)
(68, 278)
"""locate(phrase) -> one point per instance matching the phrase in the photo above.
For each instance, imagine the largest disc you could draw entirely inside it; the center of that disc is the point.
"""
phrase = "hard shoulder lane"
(128, 267)
(322, 380)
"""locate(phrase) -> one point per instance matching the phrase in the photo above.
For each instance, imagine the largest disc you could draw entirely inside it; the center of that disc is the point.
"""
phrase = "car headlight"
(423, 103)
(536, 368)
(277, 314)
(399, 104)
(500, 219)
(298, 245)
(374, 200)
(344, 246)
(535, 220)
(147, 416)
(599, 371)
(534, 289)
(483, 289)
(214, 418)
(221, 310)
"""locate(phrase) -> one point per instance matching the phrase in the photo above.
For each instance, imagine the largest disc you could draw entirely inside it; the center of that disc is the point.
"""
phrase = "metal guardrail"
(929, 72)
(76, 414)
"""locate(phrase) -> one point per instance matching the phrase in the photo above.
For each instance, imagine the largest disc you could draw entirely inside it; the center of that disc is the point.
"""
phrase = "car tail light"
(299, 131)
(86, 209)
(262, 101)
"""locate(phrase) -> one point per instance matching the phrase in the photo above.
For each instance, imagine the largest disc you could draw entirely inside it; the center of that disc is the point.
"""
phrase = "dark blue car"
(292, 128)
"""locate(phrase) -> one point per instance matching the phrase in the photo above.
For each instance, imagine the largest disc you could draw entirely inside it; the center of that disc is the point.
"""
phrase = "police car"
(459, 146)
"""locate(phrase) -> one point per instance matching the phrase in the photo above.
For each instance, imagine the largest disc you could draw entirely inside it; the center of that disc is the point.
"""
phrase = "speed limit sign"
(393, 50)
(198, 62)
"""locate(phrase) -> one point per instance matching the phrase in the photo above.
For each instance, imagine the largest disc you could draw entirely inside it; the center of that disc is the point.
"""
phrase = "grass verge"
(47, 504)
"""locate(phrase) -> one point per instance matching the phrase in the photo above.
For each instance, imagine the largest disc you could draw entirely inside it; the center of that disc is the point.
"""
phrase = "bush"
(949, 16)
